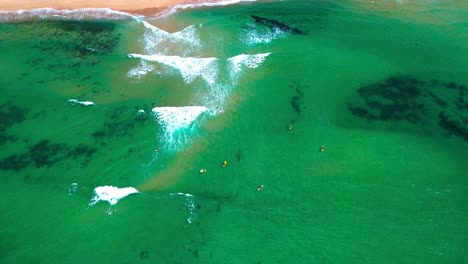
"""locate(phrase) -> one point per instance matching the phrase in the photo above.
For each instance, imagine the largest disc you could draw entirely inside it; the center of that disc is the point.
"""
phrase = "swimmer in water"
(202, 170)
(224, 164)
(260, 187)
(322, 148)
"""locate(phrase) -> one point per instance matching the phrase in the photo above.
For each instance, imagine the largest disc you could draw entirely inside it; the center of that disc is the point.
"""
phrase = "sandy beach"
(143, 7)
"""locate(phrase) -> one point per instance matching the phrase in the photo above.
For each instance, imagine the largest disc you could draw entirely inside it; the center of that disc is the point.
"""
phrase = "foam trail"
(190, 205)
(182, 194)
(85, 103)
(72, 188)
(74, 14)
(189, 67)
(261, 35)
(174, 120)
(176, 8)
(218, 93)
(111, 194)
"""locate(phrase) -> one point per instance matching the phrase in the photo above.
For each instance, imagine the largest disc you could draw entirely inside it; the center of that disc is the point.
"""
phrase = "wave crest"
(176, 123)
(189, 67)
(111, 194)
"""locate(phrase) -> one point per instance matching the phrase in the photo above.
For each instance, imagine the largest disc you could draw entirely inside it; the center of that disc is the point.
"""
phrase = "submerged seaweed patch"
(396, 98)
(276, 25)
(121, 122)
(62, 47)
(406, 98)
(296, 100)
(10, 115)
(46, 154)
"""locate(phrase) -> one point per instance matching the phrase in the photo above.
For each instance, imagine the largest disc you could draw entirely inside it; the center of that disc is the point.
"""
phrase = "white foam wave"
(257, 35)
(216, 97)
(176, 8)
(142, 69)
(182, 194)
(158, 41)
(249, 61)
(189, 67)
(85, 103)
(111, 194)
(175, 121)
(84, 13)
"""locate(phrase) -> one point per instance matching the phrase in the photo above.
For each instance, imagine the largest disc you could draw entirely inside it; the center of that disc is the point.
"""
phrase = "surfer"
(291, 125)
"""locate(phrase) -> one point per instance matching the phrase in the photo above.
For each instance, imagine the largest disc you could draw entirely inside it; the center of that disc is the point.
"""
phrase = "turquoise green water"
(383, 91)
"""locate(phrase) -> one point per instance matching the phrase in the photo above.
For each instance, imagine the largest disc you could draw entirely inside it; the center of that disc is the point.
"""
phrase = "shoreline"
(142, 7)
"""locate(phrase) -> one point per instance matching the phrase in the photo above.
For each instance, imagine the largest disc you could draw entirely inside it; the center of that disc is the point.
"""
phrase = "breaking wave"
(189, 67)
(255, 35)
(249, 61)
(111, 194)
(178, 124)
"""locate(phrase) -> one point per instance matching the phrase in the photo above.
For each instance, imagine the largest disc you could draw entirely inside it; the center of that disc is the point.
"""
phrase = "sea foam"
(176, 8)
(84, 103)
(46, 13)
(255, 35)
(111, 194)
(190, 205)
(249, 61)
(142, 69)
(189, 67)
(158, 41)
(175, 121)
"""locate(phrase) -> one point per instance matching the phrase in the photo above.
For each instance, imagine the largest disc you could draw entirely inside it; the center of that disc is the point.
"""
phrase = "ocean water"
(114, 129)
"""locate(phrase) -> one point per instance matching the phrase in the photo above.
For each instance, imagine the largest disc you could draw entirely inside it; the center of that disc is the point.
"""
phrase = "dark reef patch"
(454, 124)
(46, 154)
(276, 25)
(296, 100)
(415, 101)
(121, 122)
(10, 115)
(66, 48)
(15, 162)
(144, 254)
(396, 98)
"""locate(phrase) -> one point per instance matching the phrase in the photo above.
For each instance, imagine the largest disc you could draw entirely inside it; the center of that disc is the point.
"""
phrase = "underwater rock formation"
(10, 115)
(407, 98)
(276, 25)
(296, 100)
(46, 154)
